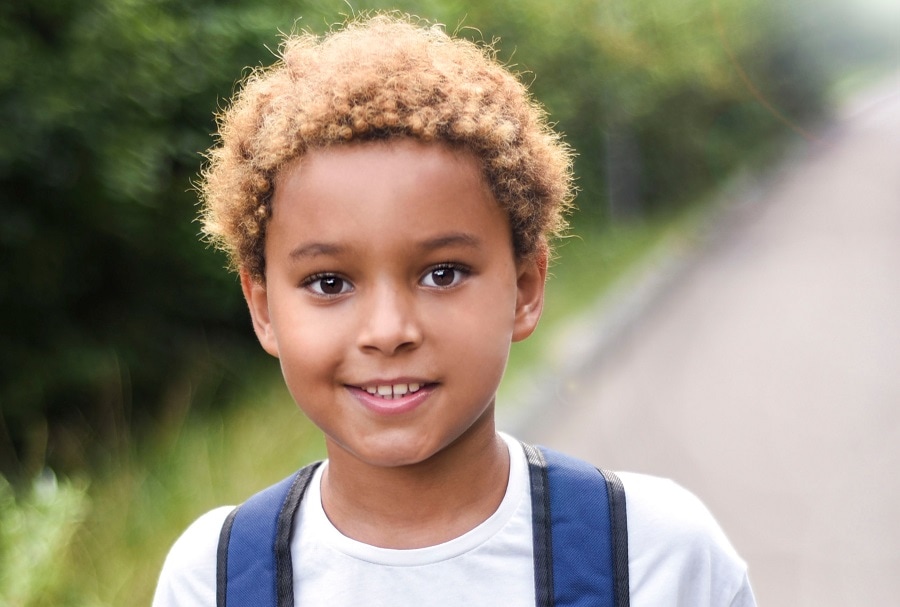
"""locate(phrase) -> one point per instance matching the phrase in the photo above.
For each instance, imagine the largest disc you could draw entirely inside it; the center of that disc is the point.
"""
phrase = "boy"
(388, 194)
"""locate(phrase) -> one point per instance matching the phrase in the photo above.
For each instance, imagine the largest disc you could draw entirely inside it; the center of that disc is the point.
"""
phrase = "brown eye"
(331, 285)
(327, 285)
(444, 276)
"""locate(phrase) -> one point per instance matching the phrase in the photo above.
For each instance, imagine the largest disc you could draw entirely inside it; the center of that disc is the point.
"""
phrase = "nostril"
(391, 323)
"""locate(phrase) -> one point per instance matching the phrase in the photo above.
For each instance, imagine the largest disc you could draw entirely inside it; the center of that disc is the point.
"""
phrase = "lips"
(394, 397)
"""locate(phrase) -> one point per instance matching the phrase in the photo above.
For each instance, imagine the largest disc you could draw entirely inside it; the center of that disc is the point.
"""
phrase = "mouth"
(392, 391)
(391, 398)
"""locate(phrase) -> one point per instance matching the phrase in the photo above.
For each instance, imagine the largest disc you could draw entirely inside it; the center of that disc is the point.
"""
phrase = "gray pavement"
(766, 378)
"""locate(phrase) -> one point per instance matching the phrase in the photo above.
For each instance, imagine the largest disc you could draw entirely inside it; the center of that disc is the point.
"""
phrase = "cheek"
(309, 366)
(307, 346)
(480, 327)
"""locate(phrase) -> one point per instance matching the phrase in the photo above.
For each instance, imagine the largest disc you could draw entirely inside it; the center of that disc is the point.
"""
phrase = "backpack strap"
(578, 518)
(580, 532)
(254, 558)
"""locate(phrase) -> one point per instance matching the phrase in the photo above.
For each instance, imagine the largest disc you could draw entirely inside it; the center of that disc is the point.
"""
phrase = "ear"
(258, 301)
(531, 277)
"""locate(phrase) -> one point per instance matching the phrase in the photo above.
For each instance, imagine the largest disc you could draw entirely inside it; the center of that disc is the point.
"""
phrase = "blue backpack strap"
(580, 538)
(580, 532)
(253, 566)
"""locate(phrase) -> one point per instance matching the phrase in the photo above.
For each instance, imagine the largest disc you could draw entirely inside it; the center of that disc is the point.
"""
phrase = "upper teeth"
(393, 391)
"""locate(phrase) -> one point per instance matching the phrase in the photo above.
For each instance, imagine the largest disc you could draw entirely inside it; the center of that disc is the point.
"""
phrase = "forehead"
(367, 159)
(369, 190)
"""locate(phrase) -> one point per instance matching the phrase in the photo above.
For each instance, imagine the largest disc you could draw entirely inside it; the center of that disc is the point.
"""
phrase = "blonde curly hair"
(376, 78)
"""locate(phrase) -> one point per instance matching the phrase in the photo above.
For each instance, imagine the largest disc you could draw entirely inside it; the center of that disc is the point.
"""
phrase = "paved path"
(767, 380)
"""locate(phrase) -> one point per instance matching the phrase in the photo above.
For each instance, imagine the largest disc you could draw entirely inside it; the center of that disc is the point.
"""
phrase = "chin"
(383, 451)
(398, 457)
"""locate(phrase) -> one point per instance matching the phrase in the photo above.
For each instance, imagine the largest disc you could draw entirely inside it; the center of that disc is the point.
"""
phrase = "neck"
(423, 504)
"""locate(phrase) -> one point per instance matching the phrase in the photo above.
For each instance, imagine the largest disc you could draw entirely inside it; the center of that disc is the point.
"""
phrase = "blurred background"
(133, 396)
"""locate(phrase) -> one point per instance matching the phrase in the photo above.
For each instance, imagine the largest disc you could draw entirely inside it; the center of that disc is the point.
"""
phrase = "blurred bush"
(116, 317)
(110, 301)
(35, 534)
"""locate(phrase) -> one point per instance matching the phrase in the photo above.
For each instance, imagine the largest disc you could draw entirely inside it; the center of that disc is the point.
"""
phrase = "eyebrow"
(315, 249)
(453, 239)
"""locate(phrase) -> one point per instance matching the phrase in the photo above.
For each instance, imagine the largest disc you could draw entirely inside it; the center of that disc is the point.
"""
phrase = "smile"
(392, 391)
(393, 398)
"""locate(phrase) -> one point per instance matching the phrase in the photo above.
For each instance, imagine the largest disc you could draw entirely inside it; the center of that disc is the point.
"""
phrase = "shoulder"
(662, 508)
(188, 577)
(674, 542)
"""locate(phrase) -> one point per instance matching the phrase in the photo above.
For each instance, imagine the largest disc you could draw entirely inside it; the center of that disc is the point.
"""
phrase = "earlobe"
(530, 280)
(257, 298)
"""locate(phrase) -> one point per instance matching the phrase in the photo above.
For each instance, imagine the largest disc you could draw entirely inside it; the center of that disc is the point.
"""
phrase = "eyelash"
(461, 269)
(315, 278)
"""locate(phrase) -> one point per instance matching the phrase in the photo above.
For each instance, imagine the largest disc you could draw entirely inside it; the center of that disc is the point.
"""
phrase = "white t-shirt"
(678, 556)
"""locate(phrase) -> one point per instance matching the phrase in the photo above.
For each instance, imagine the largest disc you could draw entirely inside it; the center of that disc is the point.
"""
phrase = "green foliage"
(106, 108)
(35, 536)
(143, 502)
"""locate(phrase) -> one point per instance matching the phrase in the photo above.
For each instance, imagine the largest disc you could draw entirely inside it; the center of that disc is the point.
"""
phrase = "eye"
(443, 276)
(327, 285)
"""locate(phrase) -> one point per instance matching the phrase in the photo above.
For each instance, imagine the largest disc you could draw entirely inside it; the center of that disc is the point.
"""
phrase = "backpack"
(579, 529)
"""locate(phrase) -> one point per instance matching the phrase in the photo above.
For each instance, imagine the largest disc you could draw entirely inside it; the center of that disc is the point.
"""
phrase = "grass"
(142, 505)
(32, 529)
(109, 538)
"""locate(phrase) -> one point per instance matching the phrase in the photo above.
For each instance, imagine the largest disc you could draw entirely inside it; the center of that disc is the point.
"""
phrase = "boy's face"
(390, 269)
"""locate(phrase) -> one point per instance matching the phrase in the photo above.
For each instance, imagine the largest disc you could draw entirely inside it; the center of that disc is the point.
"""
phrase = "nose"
(390, 324)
